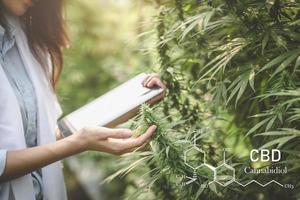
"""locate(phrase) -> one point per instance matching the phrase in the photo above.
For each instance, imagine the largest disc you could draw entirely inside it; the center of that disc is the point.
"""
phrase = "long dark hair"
(45, 29)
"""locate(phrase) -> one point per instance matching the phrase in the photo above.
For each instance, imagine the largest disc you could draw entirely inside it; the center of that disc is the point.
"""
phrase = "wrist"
(79, 141)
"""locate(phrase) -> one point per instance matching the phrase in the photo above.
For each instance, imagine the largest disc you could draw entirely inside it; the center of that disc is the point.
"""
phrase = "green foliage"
(103, 52)
(106, 37)
(232, 70)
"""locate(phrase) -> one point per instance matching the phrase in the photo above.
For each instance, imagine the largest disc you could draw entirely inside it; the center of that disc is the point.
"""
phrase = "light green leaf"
(285, 63)
(297, 64)
(278, 60)
(167, 151)
(265, 42)
(257, 126)
(242, 85)
(274, 133)
(280, 141)
(251, 79)
(270, 123)
(213, 188)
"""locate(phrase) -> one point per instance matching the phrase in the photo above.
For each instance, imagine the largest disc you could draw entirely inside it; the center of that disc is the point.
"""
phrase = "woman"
(32, 37)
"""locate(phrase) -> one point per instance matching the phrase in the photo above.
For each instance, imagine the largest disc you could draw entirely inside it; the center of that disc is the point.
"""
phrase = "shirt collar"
(7, 33)
(10, 23)
(7, 38)
(9, 30)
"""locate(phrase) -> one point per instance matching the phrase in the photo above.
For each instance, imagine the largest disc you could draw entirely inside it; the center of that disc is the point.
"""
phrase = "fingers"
(143, 82)
(139, 141)
(127, 145)
(153, 80)
(118, 141)
(105, 133)
(120, 133)
(140, 148)
(149, 78)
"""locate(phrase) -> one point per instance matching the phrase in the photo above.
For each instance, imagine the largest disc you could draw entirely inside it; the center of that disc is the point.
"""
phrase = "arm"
(115, 141)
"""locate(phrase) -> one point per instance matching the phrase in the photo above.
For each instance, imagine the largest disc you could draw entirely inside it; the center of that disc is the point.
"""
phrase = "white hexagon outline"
(198, 149)
(228, 182)
(212, 168)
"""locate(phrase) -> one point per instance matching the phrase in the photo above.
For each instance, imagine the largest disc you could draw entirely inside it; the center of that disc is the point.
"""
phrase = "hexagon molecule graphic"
(194, 157)
(225, 174)
(207, 172)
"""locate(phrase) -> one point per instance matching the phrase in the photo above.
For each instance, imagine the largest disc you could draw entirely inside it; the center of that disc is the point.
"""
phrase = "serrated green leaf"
(279, 141)
(285, 63)
(274, 133)
(278, 59)
(251, 79)
(297, 64)
(270, 123)
(213, 188)
(257, 126)
(264, 42)
(242, 86)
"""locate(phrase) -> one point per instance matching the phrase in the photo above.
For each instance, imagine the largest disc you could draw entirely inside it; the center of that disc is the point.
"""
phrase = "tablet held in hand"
(112, 108)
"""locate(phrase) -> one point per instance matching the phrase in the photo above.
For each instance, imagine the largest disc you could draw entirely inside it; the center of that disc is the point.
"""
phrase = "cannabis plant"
(233, 79)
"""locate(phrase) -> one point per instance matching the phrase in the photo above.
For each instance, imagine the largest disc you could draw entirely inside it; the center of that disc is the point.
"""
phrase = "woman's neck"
(8, 18)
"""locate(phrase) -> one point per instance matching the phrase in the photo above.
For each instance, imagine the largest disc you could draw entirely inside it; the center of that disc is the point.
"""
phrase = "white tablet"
(112, 108)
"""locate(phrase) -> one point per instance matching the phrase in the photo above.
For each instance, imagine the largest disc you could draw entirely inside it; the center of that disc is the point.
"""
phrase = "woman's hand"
(118, 141)
(115, 141)
(153, 80)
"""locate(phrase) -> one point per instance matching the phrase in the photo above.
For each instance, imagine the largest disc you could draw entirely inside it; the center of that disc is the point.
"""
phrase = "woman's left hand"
(153, 80)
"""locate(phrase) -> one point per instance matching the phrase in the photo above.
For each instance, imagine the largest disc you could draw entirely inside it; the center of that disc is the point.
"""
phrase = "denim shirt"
(14, 68)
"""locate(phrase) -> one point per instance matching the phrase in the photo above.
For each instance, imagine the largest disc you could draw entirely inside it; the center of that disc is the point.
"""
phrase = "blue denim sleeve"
(2, 160)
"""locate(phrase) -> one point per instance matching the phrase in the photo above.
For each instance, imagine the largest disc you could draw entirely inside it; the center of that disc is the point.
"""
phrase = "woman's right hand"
(115, 141)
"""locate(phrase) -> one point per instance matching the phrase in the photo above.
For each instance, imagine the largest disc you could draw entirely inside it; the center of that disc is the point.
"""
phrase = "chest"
(23, 88)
